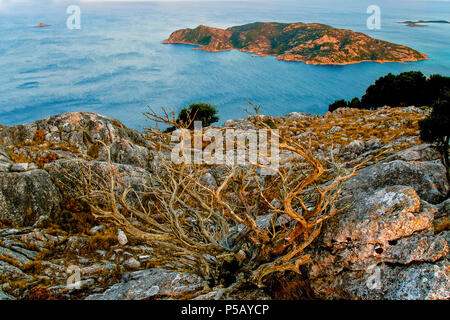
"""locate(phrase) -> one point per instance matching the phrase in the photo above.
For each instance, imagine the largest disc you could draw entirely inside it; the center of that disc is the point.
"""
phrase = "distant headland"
(420, 23)
(42, 25)
(313, 43)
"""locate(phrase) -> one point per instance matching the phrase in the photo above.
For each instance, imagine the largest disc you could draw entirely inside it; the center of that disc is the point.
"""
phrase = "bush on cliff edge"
(204, 112)
(404, 89)
(436, 128)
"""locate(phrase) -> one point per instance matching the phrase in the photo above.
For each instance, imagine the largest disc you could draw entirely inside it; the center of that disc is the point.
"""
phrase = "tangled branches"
(257, 224)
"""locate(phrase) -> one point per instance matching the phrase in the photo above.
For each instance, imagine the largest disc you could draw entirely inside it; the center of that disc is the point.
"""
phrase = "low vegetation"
(214, 230)
(204, 112)
(436, 128)
(402, 90)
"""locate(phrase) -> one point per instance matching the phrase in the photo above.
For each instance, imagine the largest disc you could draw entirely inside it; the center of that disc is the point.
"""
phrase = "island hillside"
(419, 23)
(310, 43)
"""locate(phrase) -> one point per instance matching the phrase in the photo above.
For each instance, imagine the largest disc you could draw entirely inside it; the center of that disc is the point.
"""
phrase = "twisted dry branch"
(200, 228)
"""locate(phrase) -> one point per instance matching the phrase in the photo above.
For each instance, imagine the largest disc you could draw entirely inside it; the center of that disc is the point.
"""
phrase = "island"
(312, 43)
(43, 25)
(420, 23)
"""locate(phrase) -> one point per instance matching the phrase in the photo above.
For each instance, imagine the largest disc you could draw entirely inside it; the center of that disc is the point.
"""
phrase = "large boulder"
(387, 214)
(58, 144)
(80, 134)
(389, 241)
(5, 296)
(382, 247)
(24, 196)
(428, 178)
(5, 160)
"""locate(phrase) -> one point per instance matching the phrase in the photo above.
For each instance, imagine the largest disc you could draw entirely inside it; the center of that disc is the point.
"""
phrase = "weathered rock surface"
(4, 296)
(78, 134)
(63, 172)
(150, 283)
(10, 271)
(428, 178)
(384, 244)
(22, 167)
(416, 153)
(5, 160)
(16, 256)
(27, 195)
(32, 257)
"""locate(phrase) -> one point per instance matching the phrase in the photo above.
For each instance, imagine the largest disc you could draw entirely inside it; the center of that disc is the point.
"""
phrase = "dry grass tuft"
(40, 293)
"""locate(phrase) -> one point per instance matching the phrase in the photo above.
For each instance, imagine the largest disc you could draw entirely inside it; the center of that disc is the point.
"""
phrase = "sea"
(117, 65)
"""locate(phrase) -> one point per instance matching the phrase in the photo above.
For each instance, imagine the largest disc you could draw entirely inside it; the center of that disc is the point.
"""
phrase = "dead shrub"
(193, 227)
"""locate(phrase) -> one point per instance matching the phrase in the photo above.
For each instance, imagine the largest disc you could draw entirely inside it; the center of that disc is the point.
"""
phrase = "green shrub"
(204, 112)
(437, 85)
(436, 128)
(337, 104)
(355, 103)
(404, 89)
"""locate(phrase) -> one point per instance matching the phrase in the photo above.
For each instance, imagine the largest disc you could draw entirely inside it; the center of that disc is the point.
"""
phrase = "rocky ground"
(391, 241)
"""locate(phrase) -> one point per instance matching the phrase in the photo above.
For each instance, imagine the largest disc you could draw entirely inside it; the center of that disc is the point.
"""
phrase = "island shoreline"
(280, 58)
(314, 43)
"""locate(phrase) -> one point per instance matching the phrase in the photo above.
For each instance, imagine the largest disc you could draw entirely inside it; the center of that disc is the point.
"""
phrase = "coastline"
(287, 59)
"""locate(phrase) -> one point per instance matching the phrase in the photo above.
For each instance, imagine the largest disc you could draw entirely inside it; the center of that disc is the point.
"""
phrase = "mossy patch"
(35, 267)
(40, 293)
(94, 150)
(39, 136)
(75, 217)
(102, 241)
(10, 260)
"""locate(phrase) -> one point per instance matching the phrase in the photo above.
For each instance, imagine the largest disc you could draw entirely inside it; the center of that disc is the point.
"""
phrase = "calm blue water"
(116, 64)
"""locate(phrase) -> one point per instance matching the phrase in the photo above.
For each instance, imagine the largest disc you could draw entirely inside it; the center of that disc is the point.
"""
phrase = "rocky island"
(420, 23)
(313, 43)
(43, 25)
